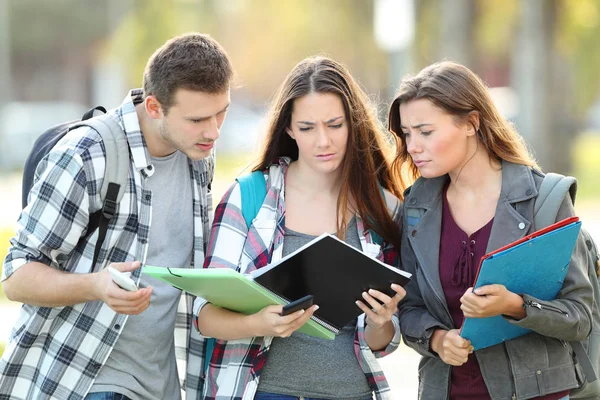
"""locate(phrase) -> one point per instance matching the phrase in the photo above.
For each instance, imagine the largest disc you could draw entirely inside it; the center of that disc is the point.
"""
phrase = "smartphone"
(300, 304)
(122, 279)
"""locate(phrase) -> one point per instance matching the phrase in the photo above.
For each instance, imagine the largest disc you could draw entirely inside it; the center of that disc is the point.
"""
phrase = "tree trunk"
(540, 77)
(456, 36)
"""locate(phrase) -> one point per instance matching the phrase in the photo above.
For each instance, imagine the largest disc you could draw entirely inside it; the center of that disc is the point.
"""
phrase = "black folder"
(335, 273)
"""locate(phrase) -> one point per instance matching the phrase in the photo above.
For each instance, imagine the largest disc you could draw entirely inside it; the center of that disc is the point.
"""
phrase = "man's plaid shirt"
(235, 365)
(56, 353)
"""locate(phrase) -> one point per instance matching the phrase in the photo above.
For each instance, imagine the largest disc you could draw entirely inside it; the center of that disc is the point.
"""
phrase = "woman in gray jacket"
(475, 191)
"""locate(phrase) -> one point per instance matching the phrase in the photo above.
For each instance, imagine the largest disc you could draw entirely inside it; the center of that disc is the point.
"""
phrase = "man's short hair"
(192, 61)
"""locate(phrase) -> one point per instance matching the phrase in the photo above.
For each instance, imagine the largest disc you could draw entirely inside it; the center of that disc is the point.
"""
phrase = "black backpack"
(115, 174)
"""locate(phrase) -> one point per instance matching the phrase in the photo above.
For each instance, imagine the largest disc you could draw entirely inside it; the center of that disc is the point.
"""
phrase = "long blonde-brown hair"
(458, 91)
(369, 152)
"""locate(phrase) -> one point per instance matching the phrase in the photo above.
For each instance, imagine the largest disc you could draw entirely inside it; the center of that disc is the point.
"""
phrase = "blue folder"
(535, 265)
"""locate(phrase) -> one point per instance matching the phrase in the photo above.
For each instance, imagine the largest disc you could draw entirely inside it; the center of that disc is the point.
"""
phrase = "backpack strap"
(552, 192)
(208, 351)
(116, 170)
(376, 237)
(253, 190)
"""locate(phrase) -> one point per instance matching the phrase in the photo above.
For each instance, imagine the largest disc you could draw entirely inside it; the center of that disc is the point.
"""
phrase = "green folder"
(229, 289)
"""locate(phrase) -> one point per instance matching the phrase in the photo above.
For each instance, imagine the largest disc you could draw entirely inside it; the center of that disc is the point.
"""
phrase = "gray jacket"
(533, 365)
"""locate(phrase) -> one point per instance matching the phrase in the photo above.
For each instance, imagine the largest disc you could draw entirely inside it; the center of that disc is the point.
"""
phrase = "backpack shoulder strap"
(116, 170)
(376, 237)
(117, 152)
(552, 192)
(253, 190)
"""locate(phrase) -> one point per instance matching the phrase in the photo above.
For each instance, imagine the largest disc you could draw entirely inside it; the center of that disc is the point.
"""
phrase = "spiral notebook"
(334, 272)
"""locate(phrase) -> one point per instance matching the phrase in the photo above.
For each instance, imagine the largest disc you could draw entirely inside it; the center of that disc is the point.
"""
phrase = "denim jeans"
(274, 396)
(106, 396)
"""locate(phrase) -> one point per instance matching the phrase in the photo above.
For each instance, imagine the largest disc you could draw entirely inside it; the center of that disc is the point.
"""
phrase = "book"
(535, 265)
(334, 272)
(229, 289)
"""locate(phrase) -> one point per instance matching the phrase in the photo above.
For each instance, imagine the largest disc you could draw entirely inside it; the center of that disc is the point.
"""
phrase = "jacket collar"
(512, 219)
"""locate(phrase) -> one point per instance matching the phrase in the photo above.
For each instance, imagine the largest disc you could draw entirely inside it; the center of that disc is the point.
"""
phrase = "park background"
(541, 59)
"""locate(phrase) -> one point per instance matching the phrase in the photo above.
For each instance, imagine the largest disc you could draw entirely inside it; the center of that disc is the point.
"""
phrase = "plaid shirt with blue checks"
(56, 353)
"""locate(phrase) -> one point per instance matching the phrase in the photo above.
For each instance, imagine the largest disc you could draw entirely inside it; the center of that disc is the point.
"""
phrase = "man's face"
(193, 122)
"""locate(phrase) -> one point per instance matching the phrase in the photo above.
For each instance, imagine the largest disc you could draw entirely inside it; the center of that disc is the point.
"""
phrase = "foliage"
(5, 235)
(579, 29)
(265, 38)
(587, 165)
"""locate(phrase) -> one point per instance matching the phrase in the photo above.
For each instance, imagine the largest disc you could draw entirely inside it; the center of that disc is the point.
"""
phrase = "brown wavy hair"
(458, 91)
(369, 151)
(192, 61)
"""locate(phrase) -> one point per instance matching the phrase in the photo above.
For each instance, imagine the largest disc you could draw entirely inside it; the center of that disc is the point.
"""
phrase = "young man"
(80, 335)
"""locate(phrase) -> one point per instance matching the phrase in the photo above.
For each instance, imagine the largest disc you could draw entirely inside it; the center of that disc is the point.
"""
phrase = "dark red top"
(459, 259)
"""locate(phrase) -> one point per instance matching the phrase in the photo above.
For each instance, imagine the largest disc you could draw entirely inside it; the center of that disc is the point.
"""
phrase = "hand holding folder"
(535, 265)
(335, 273)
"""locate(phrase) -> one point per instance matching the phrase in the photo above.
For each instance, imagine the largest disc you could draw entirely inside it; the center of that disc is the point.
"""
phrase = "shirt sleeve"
(57, 214)
(227, 237)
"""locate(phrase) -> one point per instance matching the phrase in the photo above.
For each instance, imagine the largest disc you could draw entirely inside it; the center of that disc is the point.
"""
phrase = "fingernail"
(394, 286)
(364, 294)
(300, 312)
(371, 291)
(357, 303)
(315, 308)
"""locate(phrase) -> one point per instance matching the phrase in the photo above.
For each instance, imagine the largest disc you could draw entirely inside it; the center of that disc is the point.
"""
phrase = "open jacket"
(235, 365)
(536, 364)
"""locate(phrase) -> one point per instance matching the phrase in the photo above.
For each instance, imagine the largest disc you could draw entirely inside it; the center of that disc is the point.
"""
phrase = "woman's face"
(437, 143)
(320, 130)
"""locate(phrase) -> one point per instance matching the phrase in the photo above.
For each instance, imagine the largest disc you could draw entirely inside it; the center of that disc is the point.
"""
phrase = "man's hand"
(269, 322)
(490, 301)
(451, 348)
(118, 299)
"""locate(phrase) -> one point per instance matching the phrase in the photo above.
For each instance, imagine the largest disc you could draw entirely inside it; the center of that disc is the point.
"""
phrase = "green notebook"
(229, 289)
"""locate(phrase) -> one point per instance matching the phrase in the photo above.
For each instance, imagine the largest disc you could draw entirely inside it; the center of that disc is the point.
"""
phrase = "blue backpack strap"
(208, 350)
(253, 190)
(376, 237)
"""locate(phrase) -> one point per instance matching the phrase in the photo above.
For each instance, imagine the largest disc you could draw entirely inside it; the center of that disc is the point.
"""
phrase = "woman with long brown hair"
(476, 185)
(325, 163)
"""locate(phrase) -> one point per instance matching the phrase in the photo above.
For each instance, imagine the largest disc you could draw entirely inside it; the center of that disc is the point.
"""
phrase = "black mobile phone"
(300, 304)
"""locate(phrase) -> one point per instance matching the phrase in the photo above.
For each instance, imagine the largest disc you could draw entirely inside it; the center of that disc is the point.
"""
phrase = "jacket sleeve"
(417, 324)
(569, 316)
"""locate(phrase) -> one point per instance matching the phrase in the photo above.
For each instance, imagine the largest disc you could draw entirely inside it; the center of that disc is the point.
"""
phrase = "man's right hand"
(269, 322)
(118, 299)
(451, 348)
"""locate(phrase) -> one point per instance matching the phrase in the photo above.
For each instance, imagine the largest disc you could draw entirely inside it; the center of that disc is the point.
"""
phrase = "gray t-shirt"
(142, 364)
(303, 365)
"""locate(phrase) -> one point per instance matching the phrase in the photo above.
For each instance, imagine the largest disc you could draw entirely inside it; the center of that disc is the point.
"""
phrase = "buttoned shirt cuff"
(394, 343)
